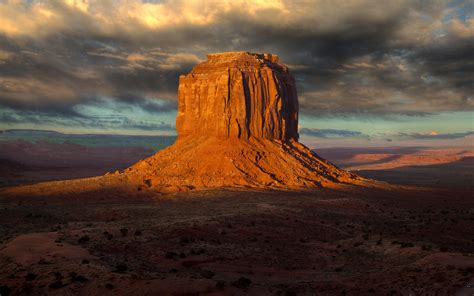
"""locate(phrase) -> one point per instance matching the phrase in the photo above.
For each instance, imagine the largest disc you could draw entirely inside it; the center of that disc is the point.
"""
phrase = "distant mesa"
(237, 126)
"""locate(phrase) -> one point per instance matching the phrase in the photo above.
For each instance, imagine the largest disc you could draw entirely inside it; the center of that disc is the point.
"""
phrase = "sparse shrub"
(242, 283)
(83, 239)
(121, 267)
(31, 276)
(108, 235)
(56, 285)
(220, 285)
(5, 290)
(208, 274)
(406, 245)
(78, 278)
(184, 241)
(170, 255)
(58, 276)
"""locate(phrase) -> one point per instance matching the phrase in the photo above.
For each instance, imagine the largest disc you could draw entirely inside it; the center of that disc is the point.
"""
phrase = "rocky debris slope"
(237, 126)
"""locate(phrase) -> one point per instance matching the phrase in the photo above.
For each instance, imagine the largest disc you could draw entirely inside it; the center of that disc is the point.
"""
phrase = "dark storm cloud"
(133, 100)
(315, 56)
(452, 62)
(57, 74)
(360, 58)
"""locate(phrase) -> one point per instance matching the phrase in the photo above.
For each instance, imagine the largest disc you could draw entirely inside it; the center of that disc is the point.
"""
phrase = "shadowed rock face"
(238, 95)
(237, 126)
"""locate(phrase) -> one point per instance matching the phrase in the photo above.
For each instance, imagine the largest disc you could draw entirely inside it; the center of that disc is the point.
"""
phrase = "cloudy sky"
(368, 72)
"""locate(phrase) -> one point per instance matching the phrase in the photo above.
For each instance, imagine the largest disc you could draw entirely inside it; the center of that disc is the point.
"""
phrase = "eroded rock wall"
(238, 95)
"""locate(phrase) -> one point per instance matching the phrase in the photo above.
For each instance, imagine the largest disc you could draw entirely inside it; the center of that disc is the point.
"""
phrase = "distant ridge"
(155, 142)
(20, 130)
(49, 132)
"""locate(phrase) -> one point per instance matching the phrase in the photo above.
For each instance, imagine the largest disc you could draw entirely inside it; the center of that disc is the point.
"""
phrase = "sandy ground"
(352, 241)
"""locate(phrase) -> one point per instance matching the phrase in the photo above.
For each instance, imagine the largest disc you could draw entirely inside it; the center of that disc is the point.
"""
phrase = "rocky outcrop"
(238, 95)
(237, 126)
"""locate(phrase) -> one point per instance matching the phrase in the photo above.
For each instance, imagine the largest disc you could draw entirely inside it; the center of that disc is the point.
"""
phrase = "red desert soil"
(357, 241)
(32, 248)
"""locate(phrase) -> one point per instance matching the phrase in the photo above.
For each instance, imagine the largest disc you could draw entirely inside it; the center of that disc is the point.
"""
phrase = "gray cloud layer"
(344, 134)
(330, 133)
(436, 136)
(349, 57)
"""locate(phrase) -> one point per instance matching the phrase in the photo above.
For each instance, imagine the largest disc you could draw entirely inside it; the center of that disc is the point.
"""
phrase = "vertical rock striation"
(237, 126)
(238, 95)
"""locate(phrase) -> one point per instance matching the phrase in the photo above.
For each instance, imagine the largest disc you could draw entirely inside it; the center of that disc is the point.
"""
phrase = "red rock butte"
(237, 126)
(238, 95)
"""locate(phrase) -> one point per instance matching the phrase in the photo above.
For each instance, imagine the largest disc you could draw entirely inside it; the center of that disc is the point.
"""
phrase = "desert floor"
(352, 241)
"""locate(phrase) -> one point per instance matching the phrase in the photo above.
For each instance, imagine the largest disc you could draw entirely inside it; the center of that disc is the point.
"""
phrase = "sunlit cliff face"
(238, 95)
(113, 66)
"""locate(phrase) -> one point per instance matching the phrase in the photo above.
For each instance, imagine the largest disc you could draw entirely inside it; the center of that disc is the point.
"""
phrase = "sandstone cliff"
(237, 126)
(238, 95)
